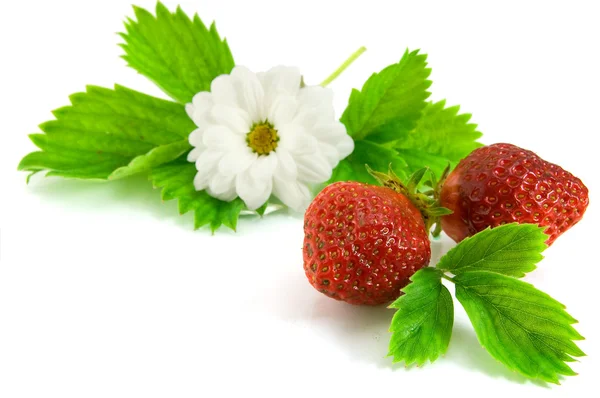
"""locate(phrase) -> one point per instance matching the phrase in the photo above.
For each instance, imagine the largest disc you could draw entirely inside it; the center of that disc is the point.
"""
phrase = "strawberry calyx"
(436, 192)
(423, 193)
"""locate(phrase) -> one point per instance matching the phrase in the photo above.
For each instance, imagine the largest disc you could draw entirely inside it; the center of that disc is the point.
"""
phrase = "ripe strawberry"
(503, 183)
(362, 243)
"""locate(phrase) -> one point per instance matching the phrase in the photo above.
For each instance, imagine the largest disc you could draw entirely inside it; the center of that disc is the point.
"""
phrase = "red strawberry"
(362, 243)
(503, 183)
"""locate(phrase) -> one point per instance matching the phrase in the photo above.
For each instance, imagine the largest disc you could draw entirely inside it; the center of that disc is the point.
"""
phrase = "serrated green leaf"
(105, 130)
(415, 159)
(62, 164)
(422, 326)
(155, 157)
(390, 102)
(369, 153)
(176, 180)
(180, 55)
(262, 209)
(441, 135)
(520, 326)
(511, 249)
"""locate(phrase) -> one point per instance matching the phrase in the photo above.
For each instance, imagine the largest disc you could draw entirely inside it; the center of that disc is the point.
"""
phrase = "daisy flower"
(262, 134)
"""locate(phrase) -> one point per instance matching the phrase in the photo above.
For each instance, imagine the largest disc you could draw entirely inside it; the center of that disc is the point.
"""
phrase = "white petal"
(345, 146)
(200, 104)
(293, 138)
(235, 118)
(220, 184)
(208, 160)
(226, 196)
(331, 154)
(194, 154)
(250, 92)
(292, 193)
(334, 134)
(282, 110)
(195, 138)
(220, 137)
(311, 117)
(189, 109)
(315, 105)
(313, 168)
(286, 163)
(236, 161)
(315, 96)
(201, 180)
(264, 167)
(223, 91)
(203, 119)
(306, 117)
(282, 80)
(328, 132)
(254, 193)
(202, 101)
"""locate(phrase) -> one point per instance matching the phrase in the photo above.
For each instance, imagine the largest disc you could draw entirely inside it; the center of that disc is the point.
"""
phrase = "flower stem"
(343, 67)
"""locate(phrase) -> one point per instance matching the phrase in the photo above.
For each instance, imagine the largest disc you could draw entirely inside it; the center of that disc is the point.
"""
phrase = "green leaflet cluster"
(520, 326)
(108, 134)
(114, 133)
(392, 122)
(180, 55)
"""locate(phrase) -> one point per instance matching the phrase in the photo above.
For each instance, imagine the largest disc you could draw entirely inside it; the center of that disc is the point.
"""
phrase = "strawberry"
(362, 243)
(503, 183)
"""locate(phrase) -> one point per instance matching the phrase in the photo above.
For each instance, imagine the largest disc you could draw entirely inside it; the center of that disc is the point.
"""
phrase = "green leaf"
(511, 249)
(262, 209)
(422, 326)
(390, 102)
(441, 135)
(520, 326)
(157, 156)
(378, 157)
(106, 130)
(416, 159)
(176, 180)
(180, 55)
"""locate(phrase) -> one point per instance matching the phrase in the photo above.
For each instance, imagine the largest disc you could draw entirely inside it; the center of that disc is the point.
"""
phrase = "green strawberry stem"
(438, 230)
(344, 66)
(430, 208)
(436, 192)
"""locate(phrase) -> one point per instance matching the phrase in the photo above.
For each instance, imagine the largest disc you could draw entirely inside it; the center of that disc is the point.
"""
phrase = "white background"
(107, 292)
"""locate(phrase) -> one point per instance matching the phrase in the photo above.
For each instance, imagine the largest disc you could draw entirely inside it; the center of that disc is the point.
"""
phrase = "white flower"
(262, 134)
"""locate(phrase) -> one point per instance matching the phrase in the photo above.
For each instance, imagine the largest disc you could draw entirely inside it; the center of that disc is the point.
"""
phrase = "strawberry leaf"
(157, 156)
(180, 55)
(110, 133)
(378, 157)
(422, 326)
(441, 136)
(390, 102)
(416, 159)
(520, 326)
(511, 249)
(176, 180)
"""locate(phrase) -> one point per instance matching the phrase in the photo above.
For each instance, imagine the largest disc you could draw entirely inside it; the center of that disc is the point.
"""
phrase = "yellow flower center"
(263, 138)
